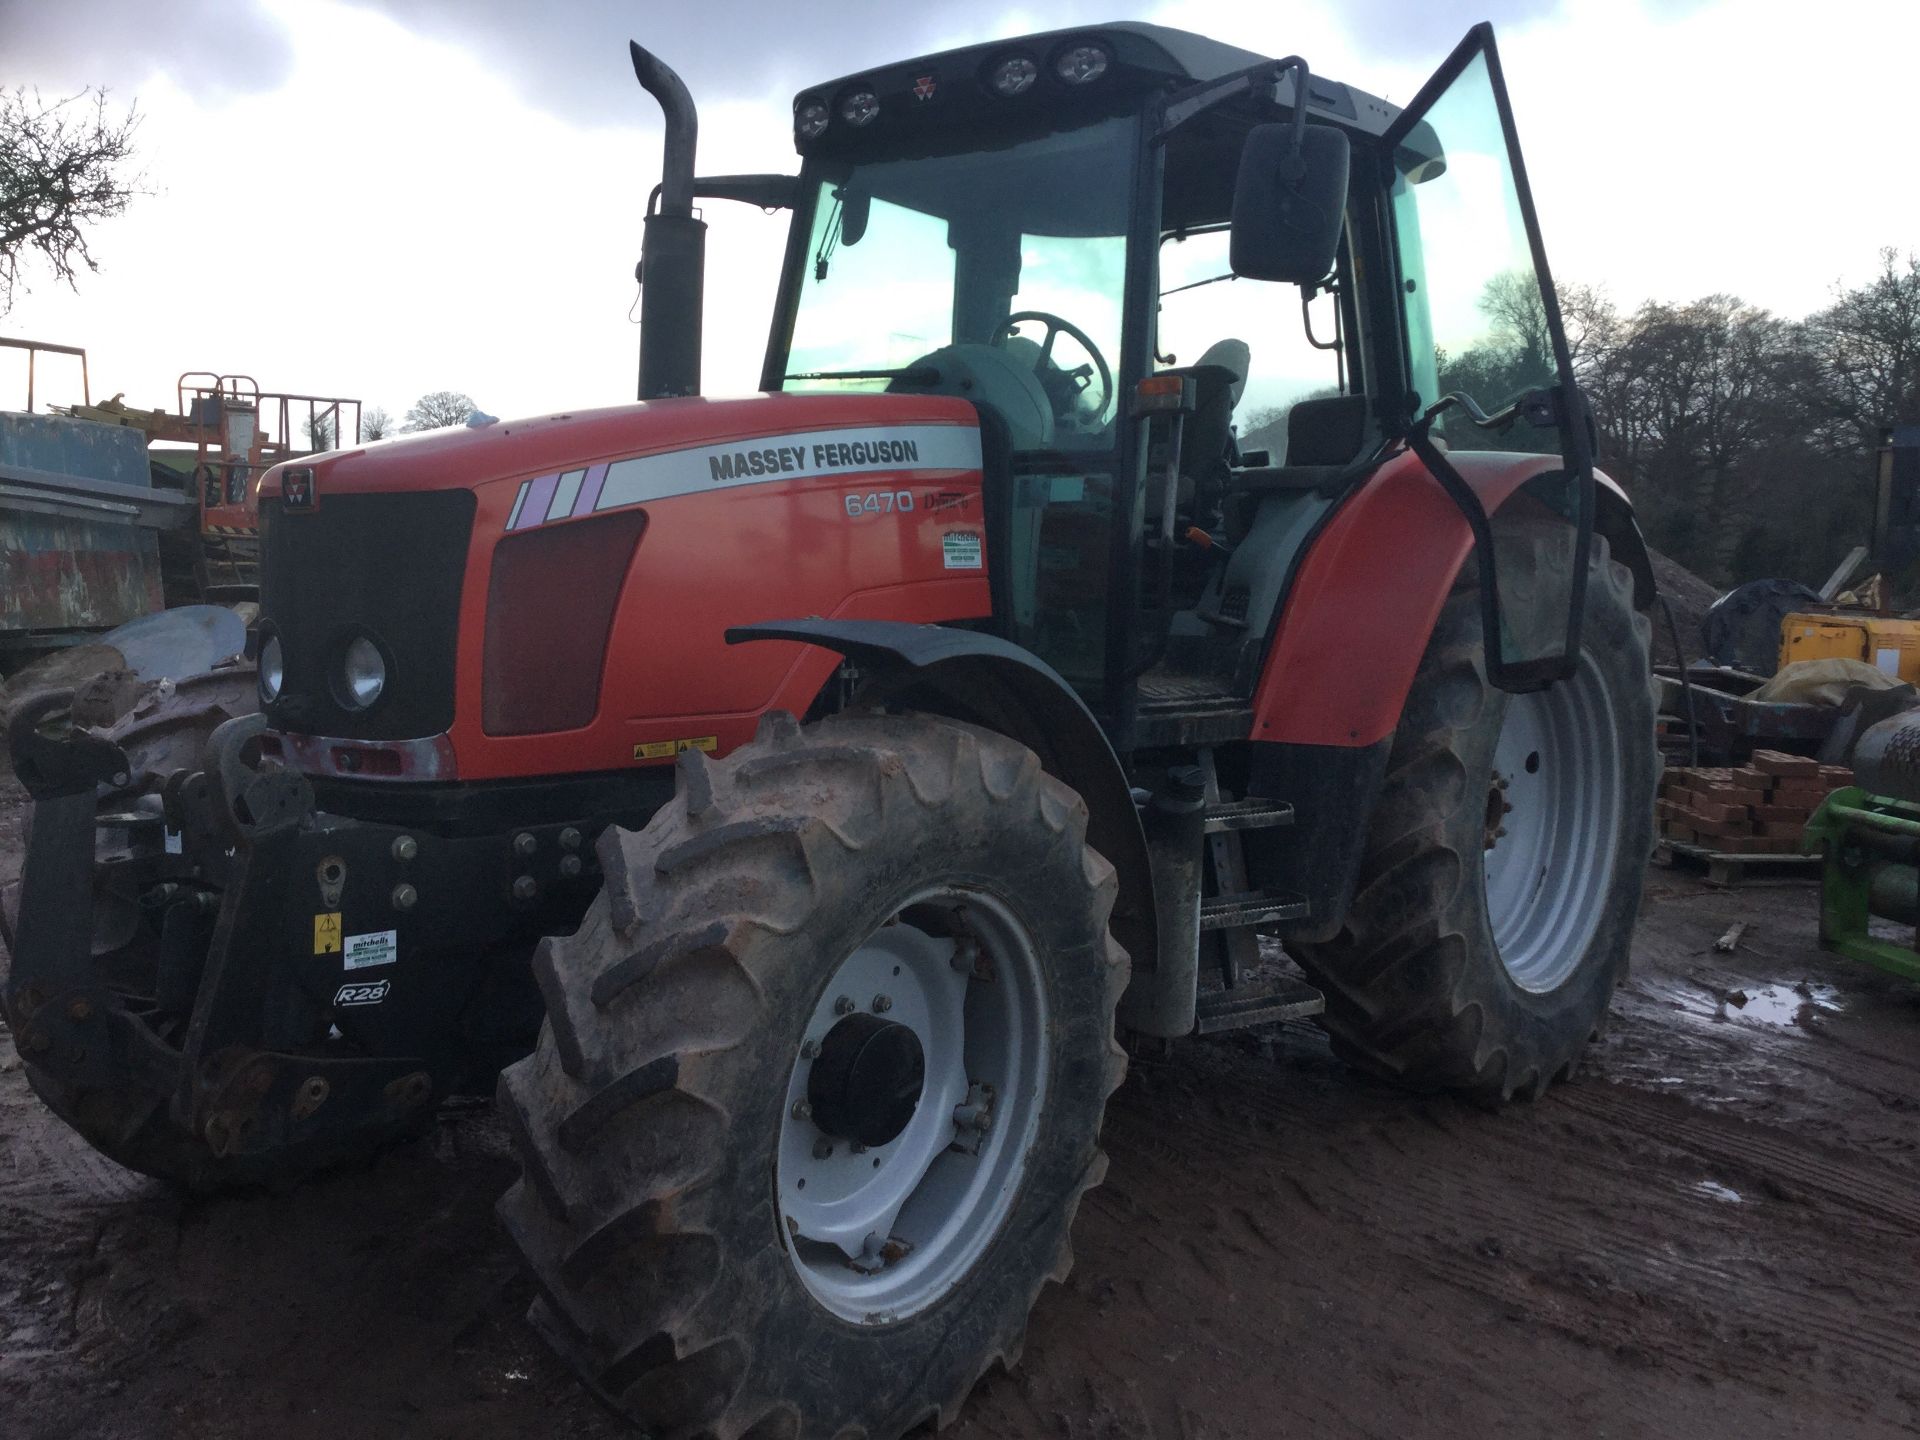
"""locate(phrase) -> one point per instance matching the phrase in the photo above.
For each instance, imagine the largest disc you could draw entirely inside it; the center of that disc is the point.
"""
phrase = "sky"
(378, 198)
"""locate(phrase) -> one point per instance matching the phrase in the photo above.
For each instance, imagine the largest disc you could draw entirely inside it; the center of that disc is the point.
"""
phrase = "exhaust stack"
(673, 246)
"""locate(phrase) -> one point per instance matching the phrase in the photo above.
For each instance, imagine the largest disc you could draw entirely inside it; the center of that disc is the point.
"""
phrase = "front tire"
(876, 932)
(1494, 908)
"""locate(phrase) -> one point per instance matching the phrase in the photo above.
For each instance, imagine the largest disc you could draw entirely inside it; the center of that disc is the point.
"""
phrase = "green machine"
(1870, 834)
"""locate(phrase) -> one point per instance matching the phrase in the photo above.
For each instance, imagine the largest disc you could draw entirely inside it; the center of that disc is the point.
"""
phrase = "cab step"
(1253, 907)
(1242, 1006)
(1248, 815)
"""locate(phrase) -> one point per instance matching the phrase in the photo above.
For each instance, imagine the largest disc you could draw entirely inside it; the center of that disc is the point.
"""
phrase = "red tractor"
(793, 800)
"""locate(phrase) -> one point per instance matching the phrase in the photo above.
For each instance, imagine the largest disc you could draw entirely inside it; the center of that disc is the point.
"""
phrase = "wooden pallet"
(1724, 868)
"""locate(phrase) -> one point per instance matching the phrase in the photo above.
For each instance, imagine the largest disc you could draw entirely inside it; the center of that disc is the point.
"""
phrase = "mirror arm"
(768, 192)
(1202, 98)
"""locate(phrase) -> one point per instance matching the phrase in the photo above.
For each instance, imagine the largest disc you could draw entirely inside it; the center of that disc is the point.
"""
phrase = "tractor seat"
(1327, 431)
(1326, 437)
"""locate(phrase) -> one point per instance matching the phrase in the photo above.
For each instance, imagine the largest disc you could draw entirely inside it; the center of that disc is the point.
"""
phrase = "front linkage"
(218, 982)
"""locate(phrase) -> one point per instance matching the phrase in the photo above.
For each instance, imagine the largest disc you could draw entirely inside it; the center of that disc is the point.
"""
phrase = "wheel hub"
(1498, 808)
(909, 1114)
(1552, 823)
(868, 1080)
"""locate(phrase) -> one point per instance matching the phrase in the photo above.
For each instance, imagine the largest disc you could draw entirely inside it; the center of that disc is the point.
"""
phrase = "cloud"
(571, 59)
(1396, 30)
(212, 49)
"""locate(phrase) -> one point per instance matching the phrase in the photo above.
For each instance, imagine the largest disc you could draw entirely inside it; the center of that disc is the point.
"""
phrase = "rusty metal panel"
(75, 447)
(58, 574)
(66, 573)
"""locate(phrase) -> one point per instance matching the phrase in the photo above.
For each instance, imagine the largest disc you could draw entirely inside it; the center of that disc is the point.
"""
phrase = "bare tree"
(438, 409)
(1867, 344)
(375, 423)
(62, 170)
(320, 432)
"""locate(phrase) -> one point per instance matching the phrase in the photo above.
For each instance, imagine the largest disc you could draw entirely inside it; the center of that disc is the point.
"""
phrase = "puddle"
(1714, 1190)
(1782, 1005)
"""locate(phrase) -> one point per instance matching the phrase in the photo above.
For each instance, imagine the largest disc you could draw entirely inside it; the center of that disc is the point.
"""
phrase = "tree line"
(1747, 440)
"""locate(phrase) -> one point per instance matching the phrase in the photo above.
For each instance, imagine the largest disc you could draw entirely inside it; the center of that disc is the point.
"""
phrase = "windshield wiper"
(1195, 285)
(912, 374)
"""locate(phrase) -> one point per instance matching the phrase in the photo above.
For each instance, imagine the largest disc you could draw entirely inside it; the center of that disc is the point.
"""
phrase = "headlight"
(860, 107)
(1081, 64)
(1014, 75)
(273, 670)
(363, 674)
(811, 121)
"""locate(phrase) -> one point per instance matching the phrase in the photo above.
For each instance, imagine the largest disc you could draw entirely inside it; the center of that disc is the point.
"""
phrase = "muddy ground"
(1715, 1231)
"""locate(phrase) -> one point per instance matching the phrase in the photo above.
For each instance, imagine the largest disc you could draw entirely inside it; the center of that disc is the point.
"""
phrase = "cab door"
(1487, 354)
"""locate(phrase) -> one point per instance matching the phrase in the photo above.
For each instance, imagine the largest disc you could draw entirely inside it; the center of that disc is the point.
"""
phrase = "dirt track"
(1714, 1231)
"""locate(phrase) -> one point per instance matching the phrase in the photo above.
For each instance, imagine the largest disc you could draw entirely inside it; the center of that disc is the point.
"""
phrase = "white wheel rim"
(1557, 765)
(880, 1233)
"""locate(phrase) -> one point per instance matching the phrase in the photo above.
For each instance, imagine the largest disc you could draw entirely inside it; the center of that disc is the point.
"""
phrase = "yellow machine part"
(1892, 646)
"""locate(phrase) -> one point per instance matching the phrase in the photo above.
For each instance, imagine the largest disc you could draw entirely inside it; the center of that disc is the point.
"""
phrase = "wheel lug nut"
(844, 1005)
(882, 1004)
(802, 1110)
(822, 1148)
(810, 1050)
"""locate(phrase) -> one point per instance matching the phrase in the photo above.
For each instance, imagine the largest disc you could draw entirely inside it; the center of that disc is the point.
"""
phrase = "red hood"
(463, 458)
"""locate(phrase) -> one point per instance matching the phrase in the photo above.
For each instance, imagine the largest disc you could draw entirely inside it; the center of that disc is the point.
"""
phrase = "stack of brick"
(1759, 808)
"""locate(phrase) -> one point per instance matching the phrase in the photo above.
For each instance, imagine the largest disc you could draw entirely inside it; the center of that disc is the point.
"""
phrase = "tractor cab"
(1198, 297)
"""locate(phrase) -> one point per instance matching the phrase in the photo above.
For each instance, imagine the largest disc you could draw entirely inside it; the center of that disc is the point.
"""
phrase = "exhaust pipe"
(673, 245)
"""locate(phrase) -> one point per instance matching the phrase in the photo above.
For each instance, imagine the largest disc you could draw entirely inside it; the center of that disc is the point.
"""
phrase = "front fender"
(990, 682)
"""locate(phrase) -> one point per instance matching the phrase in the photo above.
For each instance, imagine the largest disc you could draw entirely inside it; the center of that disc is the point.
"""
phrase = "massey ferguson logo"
(296, 488)
(794, 459)
(924, 87)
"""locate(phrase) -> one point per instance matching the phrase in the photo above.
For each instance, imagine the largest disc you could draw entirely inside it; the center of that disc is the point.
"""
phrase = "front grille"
(385, 566)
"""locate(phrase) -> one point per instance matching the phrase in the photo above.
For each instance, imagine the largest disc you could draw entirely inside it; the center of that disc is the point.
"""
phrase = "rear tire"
(1483, 943)
(660, 1125)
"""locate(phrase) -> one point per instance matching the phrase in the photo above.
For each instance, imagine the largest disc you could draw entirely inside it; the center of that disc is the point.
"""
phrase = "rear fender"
(1366, 596)
(989, 682)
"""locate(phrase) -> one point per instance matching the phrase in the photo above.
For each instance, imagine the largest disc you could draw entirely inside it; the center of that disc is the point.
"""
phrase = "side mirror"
(1288, 204)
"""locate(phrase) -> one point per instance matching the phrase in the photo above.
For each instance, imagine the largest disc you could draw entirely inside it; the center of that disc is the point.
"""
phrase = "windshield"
(914, 268)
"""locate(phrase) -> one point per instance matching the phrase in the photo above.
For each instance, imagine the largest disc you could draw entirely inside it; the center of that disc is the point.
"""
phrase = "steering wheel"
(1069, 385)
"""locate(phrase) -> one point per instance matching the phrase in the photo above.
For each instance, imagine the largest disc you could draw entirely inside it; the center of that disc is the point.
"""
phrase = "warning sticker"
(667, 749)
(380, 947)
(326, 933)
(962, 550)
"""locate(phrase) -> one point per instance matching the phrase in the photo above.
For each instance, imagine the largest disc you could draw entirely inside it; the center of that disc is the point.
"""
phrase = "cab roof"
(1143, 52)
